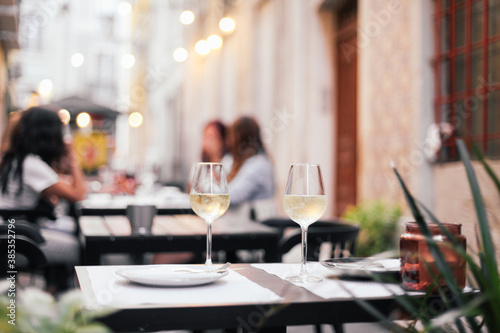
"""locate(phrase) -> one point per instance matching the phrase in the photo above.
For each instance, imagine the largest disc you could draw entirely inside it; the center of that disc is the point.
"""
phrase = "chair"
(26, 221)
(27, 244)
(30, 215)
(341, 235)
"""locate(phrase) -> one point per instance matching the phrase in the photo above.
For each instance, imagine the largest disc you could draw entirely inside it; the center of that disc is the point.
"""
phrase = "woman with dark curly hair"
(29, 172)
(30, 165)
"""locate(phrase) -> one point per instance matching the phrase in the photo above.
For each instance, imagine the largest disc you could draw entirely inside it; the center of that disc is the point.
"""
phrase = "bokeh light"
(124, 8)
(77, 59)
(214, 41)
(227, 24)
(180, 54)
(83, 120)
(128, 61)
(65, 116)
(135, 119)
(202, 47)
(45, 87)
(187, 17)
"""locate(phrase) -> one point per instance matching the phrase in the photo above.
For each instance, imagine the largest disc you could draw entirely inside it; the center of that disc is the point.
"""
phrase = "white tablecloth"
(111, 289)
(331, 287)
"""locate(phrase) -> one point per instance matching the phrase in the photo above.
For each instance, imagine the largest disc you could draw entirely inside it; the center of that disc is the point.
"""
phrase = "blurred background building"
(349, 84)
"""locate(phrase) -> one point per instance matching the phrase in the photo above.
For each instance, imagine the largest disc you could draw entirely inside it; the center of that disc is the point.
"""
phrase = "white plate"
(171, 275)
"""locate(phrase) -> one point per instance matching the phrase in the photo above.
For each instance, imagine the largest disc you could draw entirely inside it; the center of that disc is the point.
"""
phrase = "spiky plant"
(465, 311)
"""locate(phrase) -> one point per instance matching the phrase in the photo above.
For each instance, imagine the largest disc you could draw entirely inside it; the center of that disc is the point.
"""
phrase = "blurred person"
(213, 146)
(251, 178)
(12, 120)
(32, 163)
(30, 173)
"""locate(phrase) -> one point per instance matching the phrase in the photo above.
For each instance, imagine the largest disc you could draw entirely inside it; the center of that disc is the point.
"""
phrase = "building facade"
(351, 85)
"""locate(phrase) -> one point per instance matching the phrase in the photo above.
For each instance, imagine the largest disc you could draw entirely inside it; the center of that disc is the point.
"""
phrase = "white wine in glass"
(209, 197)
(304, 202)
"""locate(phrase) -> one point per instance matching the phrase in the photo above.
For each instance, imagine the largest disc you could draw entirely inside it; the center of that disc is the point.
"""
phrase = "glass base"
(303, 279)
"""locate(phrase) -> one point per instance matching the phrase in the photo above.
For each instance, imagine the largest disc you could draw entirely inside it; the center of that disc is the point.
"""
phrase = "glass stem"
(303, 268)
(208, 262)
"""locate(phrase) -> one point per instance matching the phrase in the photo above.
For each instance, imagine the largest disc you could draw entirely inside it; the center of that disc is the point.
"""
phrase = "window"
(467, 73)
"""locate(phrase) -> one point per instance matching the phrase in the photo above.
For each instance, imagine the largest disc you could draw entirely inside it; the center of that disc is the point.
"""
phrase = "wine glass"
(304, 202)
(209, 197)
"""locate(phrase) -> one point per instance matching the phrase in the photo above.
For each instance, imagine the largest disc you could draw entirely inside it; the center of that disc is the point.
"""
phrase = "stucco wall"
(454, 201)
(391, 98)
(395, 94)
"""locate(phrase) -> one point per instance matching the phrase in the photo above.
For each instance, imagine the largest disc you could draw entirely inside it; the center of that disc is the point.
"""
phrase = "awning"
(75, 105)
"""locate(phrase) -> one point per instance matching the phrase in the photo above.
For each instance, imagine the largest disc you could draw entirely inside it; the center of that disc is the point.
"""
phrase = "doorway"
(346, 117)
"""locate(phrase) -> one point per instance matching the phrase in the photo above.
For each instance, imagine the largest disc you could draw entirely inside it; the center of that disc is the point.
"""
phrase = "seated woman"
(252, 174)
(251, 180)
(30, 171)
(213, 147)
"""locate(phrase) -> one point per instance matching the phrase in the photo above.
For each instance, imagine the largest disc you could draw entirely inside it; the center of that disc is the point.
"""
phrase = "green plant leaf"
(486, 166)
(487, 254)
(378, 226)
(479, 205)
(441, 263)
(487, 242)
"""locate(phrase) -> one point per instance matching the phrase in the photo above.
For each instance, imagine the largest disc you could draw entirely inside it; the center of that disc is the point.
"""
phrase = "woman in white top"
(29, 172)
(30, 166)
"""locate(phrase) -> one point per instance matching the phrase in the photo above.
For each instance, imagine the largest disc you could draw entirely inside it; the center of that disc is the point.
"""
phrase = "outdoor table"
(174, 202)
(250, 297)
(173, 233)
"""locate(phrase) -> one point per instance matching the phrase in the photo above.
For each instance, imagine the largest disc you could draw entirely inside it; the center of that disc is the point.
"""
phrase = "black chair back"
(30, 215)
(341, 235)
(27, 245)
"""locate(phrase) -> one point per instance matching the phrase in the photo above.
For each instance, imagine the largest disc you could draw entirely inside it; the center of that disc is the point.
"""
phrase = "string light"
(83, 120)
(128, 61)
(135, 119)
(124, 8)
(215, 42)
(227, 24)
(202, 47)
(45, 87)
(187, 17)
(180, 54)
(77, 59)
(65, 116)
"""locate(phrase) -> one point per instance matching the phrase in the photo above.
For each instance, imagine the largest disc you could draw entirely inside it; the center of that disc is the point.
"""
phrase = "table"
(174, 233)
(171, 203)
(273, 303)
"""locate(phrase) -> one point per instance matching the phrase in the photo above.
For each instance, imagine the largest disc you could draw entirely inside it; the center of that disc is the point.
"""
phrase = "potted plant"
(475, 311)
(378, 226)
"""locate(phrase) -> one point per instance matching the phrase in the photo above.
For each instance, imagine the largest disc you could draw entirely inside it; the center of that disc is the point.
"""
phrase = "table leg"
(92, 256)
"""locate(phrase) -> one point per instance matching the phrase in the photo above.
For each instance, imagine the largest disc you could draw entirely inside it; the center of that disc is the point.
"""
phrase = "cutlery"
(221, 269)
